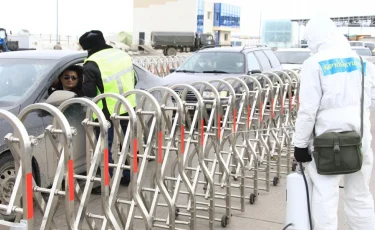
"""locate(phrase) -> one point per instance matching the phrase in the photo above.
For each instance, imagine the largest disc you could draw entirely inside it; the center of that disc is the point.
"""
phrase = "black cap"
(91, 39)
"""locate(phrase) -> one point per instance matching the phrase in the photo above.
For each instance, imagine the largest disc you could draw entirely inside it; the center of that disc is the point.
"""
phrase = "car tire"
(7, 179)
(171, 51)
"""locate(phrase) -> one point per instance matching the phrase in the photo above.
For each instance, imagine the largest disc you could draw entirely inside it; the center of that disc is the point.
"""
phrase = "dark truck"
(5, 45)
(171, 42)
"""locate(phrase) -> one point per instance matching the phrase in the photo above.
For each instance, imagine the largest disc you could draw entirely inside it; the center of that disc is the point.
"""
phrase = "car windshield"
(363, 52)
(20, 77)
(356, 43)
(292, 57)
(2, 34)
(214, 62)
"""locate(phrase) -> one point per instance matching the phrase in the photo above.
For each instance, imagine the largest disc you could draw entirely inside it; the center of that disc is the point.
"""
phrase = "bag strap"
(363, 94)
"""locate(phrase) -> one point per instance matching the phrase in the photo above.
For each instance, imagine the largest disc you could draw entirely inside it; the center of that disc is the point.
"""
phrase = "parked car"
(292, 58)
(364, 52)
(25, 77)
(361, 50)
(370, 45)
(220, 63)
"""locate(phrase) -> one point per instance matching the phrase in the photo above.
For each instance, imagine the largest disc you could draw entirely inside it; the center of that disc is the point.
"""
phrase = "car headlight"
(223, 93)
(208, 95)
(212, 95)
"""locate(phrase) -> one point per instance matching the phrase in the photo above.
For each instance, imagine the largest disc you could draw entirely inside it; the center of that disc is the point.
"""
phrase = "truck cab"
(206, 40)
(3, 40)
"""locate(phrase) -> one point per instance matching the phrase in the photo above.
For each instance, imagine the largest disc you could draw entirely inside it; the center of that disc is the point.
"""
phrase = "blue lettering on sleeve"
(341, 65)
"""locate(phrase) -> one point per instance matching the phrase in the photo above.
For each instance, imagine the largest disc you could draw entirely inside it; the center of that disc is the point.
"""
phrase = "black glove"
(302, 154)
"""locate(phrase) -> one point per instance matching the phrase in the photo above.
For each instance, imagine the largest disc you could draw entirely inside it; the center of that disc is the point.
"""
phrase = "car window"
(55, 83)
(190, 62)
(265, 63)
(20, 77)
(272, 57)
(252, 62)
(356, 43)
(2, 34)
(363, 52)
(227, 62)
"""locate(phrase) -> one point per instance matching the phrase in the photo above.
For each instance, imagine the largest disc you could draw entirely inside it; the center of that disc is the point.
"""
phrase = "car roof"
(233, 49)
(359, 47)
(294, 50)
(43, 54)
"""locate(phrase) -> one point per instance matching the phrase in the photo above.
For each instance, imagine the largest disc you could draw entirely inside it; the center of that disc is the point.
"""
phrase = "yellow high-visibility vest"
(116, 69)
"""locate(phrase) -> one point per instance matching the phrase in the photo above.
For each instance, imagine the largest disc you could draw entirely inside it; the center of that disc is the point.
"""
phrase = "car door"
(275, 63)
(263, 60)
(75, 114)
(35, 126)
(252, 63)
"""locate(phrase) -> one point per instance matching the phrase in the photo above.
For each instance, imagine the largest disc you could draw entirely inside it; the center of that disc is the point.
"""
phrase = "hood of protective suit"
(321, 33)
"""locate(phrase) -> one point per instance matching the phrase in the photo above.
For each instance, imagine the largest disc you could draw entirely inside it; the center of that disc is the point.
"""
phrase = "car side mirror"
(172, 70)
(59, 96)
(254, 71)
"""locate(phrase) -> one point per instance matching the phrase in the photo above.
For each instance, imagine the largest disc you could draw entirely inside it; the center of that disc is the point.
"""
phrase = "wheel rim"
(7, 180)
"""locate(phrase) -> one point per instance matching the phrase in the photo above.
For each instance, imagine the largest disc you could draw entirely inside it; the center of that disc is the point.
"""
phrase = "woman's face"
(69, 79)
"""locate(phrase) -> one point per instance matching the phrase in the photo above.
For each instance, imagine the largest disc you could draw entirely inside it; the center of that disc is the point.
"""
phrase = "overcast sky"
(111, 16)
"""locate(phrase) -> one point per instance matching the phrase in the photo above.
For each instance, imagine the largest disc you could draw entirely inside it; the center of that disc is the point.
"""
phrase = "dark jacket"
(92, 79)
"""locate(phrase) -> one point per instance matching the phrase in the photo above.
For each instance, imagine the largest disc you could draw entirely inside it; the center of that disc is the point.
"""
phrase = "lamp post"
(57, 21)
(260, 24)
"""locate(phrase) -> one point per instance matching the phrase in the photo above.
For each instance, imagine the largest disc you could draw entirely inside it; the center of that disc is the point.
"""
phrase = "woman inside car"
(70, 80)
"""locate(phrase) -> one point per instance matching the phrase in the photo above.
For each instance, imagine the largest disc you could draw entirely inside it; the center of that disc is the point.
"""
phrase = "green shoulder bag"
(340, 153)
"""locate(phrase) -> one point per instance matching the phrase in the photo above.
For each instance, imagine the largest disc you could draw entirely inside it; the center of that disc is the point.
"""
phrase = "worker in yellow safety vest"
(107, 70)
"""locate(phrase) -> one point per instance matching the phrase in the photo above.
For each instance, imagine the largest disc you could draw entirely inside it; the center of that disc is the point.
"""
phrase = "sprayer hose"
(308, 196)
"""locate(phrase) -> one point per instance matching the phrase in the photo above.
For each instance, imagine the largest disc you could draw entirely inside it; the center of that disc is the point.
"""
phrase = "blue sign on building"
(200, 16)
(227, 15)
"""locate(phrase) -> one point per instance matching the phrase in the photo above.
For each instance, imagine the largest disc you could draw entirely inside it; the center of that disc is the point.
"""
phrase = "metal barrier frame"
(20, 146)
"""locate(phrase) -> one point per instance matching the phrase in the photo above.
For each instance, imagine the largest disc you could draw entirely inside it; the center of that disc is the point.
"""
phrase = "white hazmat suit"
(330, 92)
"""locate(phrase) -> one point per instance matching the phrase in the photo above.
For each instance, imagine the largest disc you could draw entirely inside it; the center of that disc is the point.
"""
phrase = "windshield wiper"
(186, 71)
(214, 71)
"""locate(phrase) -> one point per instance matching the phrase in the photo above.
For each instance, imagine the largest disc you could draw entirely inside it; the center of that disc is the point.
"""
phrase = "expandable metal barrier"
(160, 65)
(203, 144)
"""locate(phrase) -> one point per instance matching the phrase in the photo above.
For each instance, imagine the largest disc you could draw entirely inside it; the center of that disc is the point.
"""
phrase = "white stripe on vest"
(117, 77)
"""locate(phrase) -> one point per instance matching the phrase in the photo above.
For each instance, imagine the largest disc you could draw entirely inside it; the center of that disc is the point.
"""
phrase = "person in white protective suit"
(330, 101)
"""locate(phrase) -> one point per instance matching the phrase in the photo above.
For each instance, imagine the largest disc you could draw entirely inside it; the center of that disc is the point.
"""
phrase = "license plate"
(189, 107)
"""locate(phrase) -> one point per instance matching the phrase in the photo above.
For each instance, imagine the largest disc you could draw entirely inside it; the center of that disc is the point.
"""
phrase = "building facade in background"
(200, 16)
(288, 33)
(226, 20)
(278, 33)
